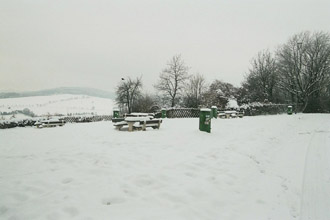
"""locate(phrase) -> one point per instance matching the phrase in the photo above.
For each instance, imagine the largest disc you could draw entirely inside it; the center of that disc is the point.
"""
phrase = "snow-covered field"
(59, 104)
(263, 167)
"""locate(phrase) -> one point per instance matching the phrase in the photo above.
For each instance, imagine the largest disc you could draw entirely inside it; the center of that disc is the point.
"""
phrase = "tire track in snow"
(315, 202)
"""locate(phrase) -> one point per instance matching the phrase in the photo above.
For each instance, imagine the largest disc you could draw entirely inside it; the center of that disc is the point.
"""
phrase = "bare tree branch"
(172, 79)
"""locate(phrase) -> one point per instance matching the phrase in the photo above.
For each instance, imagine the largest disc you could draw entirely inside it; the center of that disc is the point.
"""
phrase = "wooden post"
(144, 126)
(130, 125)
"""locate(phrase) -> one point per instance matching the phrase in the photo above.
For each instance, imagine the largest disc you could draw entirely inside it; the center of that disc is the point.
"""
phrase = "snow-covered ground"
(59, 104)
(263, 167)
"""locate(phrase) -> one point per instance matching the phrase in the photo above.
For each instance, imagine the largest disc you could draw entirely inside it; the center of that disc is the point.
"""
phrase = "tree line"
(297, 73)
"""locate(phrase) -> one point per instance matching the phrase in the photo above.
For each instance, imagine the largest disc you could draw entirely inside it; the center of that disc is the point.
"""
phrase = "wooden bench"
(120, 124)
(115, 120)
(241, 114)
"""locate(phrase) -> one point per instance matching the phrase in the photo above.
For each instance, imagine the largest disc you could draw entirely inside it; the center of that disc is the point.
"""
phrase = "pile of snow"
(59, 104)
(244, 169)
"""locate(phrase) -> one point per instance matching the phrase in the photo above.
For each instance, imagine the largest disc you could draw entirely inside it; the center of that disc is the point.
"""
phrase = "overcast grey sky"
(47, 44)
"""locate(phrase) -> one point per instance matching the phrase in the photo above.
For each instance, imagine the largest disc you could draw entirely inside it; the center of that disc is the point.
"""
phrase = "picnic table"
(138, 121)
(230, 114)
(135, 120)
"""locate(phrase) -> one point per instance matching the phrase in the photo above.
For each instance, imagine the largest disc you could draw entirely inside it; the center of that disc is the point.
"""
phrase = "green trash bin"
(214, 111)
(115, 113)
(289, 110)
(163, 113)
(205, 120)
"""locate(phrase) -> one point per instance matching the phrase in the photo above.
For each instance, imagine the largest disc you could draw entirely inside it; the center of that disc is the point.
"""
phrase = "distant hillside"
(63, 104)
(61, 90)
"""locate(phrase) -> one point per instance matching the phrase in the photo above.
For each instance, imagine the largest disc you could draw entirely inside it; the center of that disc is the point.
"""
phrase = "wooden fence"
(183, 113)
(266, 109)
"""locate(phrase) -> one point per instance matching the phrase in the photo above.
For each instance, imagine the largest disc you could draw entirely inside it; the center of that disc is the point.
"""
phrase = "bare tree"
(172, 79)
(262, 78)
(304, 67)
(144, 103)
(194, 90)
(128, 91)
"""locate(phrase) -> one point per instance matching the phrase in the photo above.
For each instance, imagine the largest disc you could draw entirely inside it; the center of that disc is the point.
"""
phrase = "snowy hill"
(59, 104)
(62, 90)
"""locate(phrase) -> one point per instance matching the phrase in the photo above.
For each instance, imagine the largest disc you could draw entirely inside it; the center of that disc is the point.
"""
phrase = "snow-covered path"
(316, 185)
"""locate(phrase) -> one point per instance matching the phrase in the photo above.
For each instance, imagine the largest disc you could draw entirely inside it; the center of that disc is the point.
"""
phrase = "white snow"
(232, 104)
(230, 112)
(137, 118)
(316, 179)
(253, 104)
(59, 104)
(138, 114)
(262, 167)
(17, 117)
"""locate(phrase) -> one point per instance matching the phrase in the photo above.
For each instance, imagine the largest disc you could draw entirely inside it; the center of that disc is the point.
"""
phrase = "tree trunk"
(313, 104)
(173, 102)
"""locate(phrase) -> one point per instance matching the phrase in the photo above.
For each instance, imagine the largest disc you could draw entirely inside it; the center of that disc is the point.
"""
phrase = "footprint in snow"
(71, 211)
(112, 200)
(67, 180)
(285, 187)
